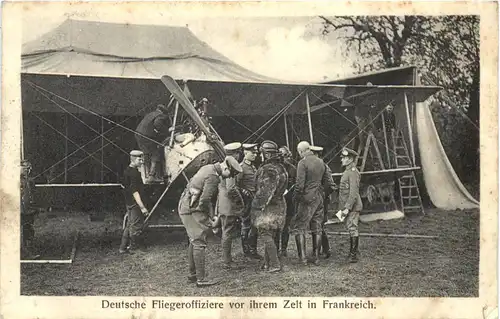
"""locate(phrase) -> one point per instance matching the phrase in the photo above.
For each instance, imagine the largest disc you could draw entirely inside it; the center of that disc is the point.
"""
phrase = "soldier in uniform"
(290, 207)
(134, 201)
(230, 208)
(350, 200)
(150, 132)
(268, 205)
(195, 207)
(330, 187)
(246, 183)
(28, 211)
(309, 196)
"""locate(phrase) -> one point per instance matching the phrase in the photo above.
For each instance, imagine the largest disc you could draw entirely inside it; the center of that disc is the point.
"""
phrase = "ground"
(447, 266)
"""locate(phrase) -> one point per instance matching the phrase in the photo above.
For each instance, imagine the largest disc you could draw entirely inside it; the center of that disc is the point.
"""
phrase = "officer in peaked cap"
(230, 206)
(235, 150)
(247, 185)
(349, 199)
(329, 188)
(347, 152)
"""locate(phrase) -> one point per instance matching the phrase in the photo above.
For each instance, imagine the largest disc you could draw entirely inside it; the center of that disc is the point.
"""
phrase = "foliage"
(446, 51)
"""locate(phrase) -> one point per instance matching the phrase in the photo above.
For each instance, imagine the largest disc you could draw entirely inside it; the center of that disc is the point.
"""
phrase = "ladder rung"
(412, 207)
(410, 186)
(410, 197)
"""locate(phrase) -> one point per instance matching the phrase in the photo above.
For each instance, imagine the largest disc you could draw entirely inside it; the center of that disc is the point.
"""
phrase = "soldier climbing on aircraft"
(150, 133)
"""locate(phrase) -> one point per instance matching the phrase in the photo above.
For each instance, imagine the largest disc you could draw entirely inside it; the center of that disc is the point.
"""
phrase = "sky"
(290, 48)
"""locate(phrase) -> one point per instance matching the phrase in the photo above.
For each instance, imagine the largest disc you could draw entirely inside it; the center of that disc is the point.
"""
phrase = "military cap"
(232, 147)
(250, 147)
(348, 152)
(316, 148)
(233, 164)
(136, 153)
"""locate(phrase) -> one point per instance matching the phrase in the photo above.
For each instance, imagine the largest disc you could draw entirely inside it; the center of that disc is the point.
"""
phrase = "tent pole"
(309, 118)
(22, 137)
(386, 142)
(102, 150)
(286, 132)
(410, 131)
(66, 148)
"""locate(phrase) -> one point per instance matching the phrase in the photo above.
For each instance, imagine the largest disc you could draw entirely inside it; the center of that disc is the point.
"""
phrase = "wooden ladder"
(411, 202)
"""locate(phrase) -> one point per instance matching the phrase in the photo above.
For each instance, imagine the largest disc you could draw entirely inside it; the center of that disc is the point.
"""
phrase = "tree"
(446, 50)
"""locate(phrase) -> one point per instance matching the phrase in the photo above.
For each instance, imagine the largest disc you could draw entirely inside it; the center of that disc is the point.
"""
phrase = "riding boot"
(272, 256)
(252, 243)
(284, 242)
(265, 265)
(325, 245)
(302, 243)
(351, 245)
(124, 244)
(244, 243)
(192, 266)
(317, 239)
(299, 247)
(226, 251)
(276, 239)
(314, 244)
(354, 253)
(199, 261)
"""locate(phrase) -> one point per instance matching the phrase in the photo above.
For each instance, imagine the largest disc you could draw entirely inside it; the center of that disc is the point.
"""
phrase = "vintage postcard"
(249, 160)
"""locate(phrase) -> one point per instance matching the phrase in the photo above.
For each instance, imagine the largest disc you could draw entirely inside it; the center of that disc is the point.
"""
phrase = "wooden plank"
(386, 235)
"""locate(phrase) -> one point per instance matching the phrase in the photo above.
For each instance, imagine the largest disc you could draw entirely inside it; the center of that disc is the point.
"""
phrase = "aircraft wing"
(369, 95)
(179, 95)
(375, 177)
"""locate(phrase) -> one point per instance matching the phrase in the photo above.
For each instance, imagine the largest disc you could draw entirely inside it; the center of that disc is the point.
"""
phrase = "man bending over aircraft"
(195, 207)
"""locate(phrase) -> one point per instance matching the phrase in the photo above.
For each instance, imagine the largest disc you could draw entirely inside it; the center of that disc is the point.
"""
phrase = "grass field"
(447, 266)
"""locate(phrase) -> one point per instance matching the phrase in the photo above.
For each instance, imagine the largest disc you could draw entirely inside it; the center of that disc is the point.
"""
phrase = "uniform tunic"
(230, 206)
(349, 197)
(246, 182)
(200, 191)
(152, 126)
(309, 194)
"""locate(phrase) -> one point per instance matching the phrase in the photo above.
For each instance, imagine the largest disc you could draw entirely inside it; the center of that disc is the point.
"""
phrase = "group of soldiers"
(269, 203)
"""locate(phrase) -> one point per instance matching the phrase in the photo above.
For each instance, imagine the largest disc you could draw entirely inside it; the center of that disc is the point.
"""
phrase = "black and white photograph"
(317, 155)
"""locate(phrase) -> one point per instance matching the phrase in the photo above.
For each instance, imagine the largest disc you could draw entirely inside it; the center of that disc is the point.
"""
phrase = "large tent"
(82, 69)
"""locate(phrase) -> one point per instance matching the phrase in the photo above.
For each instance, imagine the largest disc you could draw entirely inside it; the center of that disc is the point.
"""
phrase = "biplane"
(83, 113)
